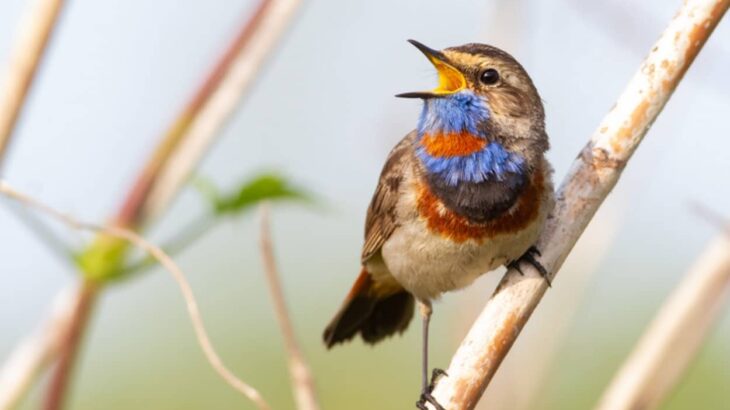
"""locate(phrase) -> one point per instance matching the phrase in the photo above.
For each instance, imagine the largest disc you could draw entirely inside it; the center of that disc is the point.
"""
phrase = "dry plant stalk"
(301, 376)
(37, 350)
(254, 46)
(36, 29)
(131, 213)
(675, 335)
(189, 136)
(166, 261)
(592, 176)
(218, 94)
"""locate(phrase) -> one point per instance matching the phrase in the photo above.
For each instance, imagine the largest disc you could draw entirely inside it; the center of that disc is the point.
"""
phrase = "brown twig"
(301, 377)
(593, 175)
(170, 265)
(36, 29)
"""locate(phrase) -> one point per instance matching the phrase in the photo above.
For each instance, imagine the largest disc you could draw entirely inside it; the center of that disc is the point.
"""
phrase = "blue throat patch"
(463, 112)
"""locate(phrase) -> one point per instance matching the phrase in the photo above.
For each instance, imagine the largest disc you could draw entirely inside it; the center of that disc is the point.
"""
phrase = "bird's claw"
(436, 374)
(426, 395)
(529, 257)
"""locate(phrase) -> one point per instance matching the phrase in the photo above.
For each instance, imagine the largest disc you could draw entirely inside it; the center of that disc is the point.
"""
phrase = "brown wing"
(381, 218)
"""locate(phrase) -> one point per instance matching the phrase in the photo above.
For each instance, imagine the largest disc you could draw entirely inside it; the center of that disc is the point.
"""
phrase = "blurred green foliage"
(263, 187)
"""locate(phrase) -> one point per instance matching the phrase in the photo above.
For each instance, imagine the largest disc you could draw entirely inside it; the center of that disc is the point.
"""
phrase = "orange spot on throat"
(453, 144)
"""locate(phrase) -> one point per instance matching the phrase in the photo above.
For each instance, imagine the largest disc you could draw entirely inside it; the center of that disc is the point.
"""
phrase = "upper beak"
(451, 80)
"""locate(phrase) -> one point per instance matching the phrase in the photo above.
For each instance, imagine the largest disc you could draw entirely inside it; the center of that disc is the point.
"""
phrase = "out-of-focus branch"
(258, 43)
(186, 138)
(672, 340)
(170, 265)
(70, 340)
(592, 176)
(36, 29)
(34, 353)
(301, 376)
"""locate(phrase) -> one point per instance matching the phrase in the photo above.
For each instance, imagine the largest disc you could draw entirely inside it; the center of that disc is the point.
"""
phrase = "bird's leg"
(426, 386)
(426, 310)
(529, 257)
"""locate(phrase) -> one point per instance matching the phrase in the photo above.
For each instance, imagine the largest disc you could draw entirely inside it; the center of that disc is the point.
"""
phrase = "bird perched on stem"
(464, 193)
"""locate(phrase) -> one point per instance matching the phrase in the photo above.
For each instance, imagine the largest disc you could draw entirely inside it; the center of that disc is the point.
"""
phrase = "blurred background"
(323, 114)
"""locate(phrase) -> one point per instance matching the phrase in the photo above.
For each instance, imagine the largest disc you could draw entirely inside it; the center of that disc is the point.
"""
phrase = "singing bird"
(465, 192)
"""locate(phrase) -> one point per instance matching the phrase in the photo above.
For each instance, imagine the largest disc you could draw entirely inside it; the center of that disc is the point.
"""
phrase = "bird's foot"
(529, 257)
(426, 395)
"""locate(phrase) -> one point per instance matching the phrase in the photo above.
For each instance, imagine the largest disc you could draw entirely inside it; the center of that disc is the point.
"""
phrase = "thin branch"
(301, 376)
(36, 29)
(592, 176)
(675, 335)
(170, 265)
(34, 353)
(186, 236)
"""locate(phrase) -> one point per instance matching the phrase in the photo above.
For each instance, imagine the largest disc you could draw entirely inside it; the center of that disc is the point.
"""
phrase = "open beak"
(450, 79)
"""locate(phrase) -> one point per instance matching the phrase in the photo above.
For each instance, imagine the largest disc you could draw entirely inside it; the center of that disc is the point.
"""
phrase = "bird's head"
(482, 87)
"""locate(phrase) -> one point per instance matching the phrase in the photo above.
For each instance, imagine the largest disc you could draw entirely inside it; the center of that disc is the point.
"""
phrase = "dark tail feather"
(374, 317)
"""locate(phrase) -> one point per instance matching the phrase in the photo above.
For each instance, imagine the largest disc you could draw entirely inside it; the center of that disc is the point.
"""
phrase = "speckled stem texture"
(592, 176)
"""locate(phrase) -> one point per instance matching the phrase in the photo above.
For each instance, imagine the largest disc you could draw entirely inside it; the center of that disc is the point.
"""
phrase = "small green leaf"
(262, 187)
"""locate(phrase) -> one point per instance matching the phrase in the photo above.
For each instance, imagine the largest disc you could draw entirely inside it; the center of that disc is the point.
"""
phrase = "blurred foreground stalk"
(592, 176)
(675, 335)
(302, 380)
(166, 262)
(35, 32)
(178, 153)
(176, 156)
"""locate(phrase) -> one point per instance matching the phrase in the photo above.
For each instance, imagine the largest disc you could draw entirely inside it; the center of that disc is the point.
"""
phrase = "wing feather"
(381, 218)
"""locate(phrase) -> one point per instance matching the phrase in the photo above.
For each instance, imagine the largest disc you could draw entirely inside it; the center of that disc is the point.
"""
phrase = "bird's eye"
(489, 76)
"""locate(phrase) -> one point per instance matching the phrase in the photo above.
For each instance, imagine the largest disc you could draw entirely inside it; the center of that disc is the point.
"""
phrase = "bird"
(467, 191)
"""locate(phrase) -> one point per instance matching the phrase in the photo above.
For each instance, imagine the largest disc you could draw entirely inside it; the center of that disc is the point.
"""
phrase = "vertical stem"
(70, 347)
(301, 376)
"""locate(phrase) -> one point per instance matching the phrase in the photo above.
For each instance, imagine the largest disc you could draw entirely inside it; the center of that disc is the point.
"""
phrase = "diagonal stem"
(591, 178)
(36, 31)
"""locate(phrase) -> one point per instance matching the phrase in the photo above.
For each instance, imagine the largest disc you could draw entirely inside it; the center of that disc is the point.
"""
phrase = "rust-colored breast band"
(444, 222)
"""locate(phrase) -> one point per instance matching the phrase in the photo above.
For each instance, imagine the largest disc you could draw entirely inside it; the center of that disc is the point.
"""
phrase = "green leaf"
(263, 187)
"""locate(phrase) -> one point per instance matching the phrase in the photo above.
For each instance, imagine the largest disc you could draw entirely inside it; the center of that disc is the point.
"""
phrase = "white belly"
(428, 265)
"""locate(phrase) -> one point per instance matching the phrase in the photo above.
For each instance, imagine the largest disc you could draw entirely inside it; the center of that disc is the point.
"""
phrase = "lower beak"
(451, 80)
